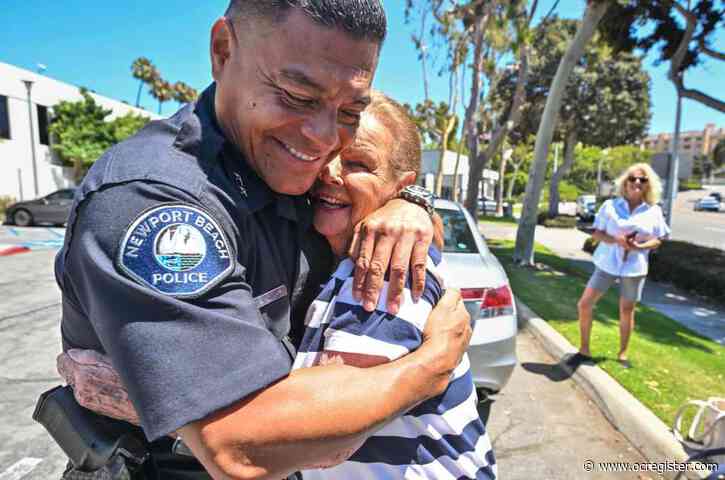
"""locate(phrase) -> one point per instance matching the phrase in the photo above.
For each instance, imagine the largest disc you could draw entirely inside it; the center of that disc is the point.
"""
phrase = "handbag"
(707, 430)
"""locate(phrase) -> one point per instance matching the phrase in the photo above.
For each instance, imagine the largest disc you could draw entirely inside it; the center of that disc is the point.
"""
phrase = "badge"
(175, 249)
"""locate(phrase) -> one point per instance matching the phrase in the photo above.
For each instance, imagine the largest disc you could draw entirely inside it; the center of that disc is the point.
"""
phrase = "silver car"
(470, 266)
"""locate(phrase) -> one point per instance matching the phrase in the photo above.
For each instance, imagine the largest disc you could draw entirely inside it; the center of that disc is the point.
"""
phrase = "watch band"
(420, 196)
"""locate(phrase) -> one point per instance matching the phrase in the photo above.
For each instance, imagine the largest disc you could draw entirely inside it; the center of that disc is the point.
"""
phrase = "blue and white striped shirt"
(442, 438)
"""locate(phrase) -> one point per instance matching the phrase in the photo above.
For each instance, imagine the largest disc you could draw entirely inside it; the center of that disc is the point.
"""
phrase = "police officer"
(189, 244)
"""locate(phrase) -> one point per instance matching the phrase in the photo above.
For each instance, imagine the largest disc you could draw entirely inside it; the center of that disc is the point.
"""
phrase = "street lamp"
(29, 88)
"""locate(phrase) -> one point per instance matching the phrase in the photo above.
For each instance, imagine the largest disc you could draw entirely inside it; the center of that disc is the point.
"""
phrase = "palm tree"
(184, 93)
(145, 72)
(162, 91)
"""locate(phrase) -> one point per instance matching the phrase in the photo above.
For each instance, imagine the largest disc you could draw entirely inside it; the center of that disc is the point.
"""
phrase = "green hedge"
(562, 221)
(691, 267)
(4, 202)
(689, 185)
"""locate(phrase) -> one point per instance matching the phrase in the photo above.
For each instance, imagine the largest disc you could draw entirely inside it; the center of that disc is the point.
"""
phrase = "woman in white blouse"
(627, 227)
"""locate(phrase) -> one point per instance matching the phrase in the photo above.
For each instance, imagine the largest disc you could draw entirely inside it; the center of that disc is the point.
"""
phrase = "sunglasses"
(633, 179)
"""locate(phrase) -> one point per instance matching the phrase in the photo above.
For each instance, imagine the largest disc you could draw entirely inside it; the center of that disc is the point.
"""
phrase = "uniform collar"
(202, 135)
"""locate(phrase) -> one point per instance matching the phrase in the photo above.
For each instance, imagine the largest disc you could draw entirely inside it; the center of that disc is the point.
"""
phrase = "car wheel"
(22, 218)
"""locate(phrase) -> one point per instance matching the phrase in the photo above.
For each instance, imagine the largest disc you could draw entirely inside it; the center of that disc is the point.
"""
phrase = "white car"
(707, 203)
(470, 266)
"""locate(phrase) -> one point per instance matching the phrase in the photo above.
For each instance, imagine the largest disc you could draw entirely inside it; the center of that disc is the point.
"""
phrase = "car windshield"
(457, 236)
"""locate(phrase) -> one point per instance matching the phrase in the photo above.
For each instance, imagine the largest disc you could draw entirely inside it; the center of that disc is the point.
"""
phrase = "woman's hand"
(397, 235)
(96, 385)
(623, 241)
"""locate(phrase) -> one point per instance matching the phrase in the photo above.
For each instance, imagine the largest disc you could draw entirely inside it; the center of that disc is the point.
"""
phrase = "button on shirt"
(183, 266)
(615, 218)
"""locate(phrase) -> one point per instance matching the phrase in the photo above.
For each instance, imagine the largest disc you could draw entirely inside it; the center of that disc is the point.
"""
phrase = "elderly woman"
(440, 438)
(627, 228)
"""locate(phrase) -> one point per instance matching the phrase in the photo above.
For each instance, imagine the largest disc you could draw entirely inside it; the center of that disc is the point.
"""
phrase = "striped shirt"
(442, 438)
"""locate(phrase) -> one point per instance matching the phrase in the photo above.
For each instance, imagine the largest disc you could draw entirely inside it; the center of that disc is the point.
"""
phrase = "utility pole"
(674, 164)
(29, 88)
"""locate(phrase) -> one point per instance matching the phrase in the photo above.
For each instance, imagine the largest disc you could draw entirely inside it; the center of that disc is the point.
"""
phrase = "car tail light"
(495, 302)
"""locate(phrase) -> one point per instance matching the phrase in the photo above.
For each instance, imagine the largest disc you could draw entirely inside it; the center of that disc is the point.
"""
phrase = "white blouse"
(615, 218)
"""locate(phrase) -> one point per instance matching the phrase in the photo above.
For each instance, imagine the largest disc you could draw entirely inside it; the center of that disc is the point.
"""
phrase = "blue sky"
(92, 44)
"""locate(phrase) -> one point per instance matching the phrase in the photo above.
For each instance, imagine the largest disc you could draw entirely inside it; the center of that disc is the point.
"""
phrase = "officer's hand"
(96, 385)
(397, 235)
(447, 334)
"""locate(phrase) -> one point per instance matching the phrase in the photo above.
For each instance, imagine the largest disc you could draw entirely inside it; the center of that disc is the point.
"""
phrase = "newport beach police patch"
(176, 249)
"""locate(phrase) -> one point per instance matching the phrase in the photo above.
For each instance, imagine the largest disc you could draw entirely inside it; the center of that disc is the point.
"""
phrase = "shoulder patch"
(175, 249)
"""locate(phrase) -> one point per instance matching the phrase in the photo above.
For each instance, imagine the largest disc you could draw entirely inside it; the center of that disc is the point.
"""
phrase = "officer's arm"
(320, 415)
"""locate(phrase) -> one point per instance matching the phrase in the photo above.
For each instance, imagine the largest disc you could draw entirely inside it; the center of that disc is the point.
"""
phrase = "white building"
(18, 178)
(429, 168)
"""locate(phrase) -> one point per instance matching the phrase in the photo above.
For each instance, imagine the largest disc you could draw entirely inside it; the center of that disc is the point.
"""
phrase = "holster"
(90, 441)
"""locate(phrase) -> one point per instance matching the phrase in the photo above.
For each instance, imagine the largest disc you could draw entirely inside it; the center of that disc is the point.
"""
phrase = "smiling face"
(289, 95)
(356, 183)
(636, 190)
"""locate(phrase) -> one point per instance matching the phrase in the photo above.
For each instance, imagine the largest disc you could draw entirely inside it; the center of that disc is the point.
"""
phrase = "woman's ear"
(408, 178)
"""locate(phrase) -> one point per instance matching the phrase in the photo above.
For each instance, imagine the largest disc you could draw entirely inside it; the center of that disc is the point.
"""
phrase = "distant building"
(693, 145)
(16, 159)
(429, 169)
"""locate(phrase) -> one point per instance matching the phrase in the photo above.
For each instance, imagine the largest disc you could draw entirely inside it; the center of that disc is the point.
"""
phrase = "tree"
(436, 123)
(524, 249)
(648, 24)
(81, 133)
(184, 93)
(162, 91)
(606, 104)
(145, 71)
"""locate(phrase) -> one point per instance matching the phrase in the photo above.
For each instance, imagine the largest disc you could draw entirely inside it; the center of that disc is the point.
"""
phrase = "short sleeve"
(380, 333)
(181, 357)
(602, 216)
(661, 229)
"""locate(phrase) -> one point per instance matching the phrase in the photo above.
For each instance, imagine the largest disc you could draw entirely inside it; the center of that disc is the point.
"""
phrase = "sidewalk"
(695, 313)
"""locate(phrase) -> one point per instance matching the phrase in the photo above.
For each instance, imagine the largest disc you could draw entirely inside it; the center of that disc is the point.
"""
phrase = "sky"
(92, 44)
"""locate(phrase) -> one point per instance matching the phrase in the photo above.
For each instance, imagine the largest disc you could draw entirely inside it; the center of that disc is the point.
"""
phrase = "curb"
(642, 428)
(6, 250)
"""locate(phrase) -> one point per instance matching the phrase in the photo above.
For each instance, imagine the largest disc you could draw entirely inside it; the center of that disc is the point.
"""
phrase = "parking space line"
(21, 468)
(58, 235)
(715, 229)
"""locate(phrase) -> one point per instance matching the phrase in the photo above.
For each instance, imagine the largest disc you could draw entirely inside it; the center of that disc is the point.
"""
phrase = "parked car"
(716, 195)
(470, 266)
(707, 203)
(52, 208)
(586, 207)
(487, 205)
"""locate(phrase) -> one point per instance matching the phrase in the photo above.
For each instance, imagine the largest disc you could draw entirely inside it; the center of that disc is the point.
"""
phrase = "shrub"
(562, 221)
(691, 267)
(5, 201)
(689, 185)
(590, 245)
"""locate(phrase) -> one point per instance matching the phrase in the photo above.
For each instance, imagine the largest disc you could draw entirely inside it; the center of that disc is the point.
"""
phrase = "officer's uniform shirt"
(183, 266)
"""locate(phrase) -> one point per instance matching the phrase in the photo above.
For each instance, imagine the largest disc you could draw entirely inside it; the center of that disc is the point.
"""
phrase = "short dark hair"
(362, 19)
(406, 154)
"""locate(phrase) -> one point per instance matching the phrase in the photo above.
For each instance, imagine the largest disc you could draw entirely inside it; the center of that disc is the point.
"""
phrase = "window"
(43, 124)
(4, 118)
(457, 236)
(60, 195)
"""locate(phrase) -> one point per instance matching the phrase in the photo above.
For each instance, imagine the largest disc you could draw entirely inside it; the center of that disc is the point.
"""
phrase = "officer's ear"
(222, 38)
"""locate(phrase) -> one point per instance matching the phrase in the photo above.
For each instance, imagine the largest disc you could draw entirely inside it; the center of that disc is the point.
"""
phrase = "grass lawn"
(671, 363)
(492, 219)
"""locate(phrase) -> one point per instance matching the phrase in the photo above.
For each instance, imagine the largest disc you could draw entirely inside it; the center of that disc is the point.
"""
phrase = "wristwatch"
(418, 195)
